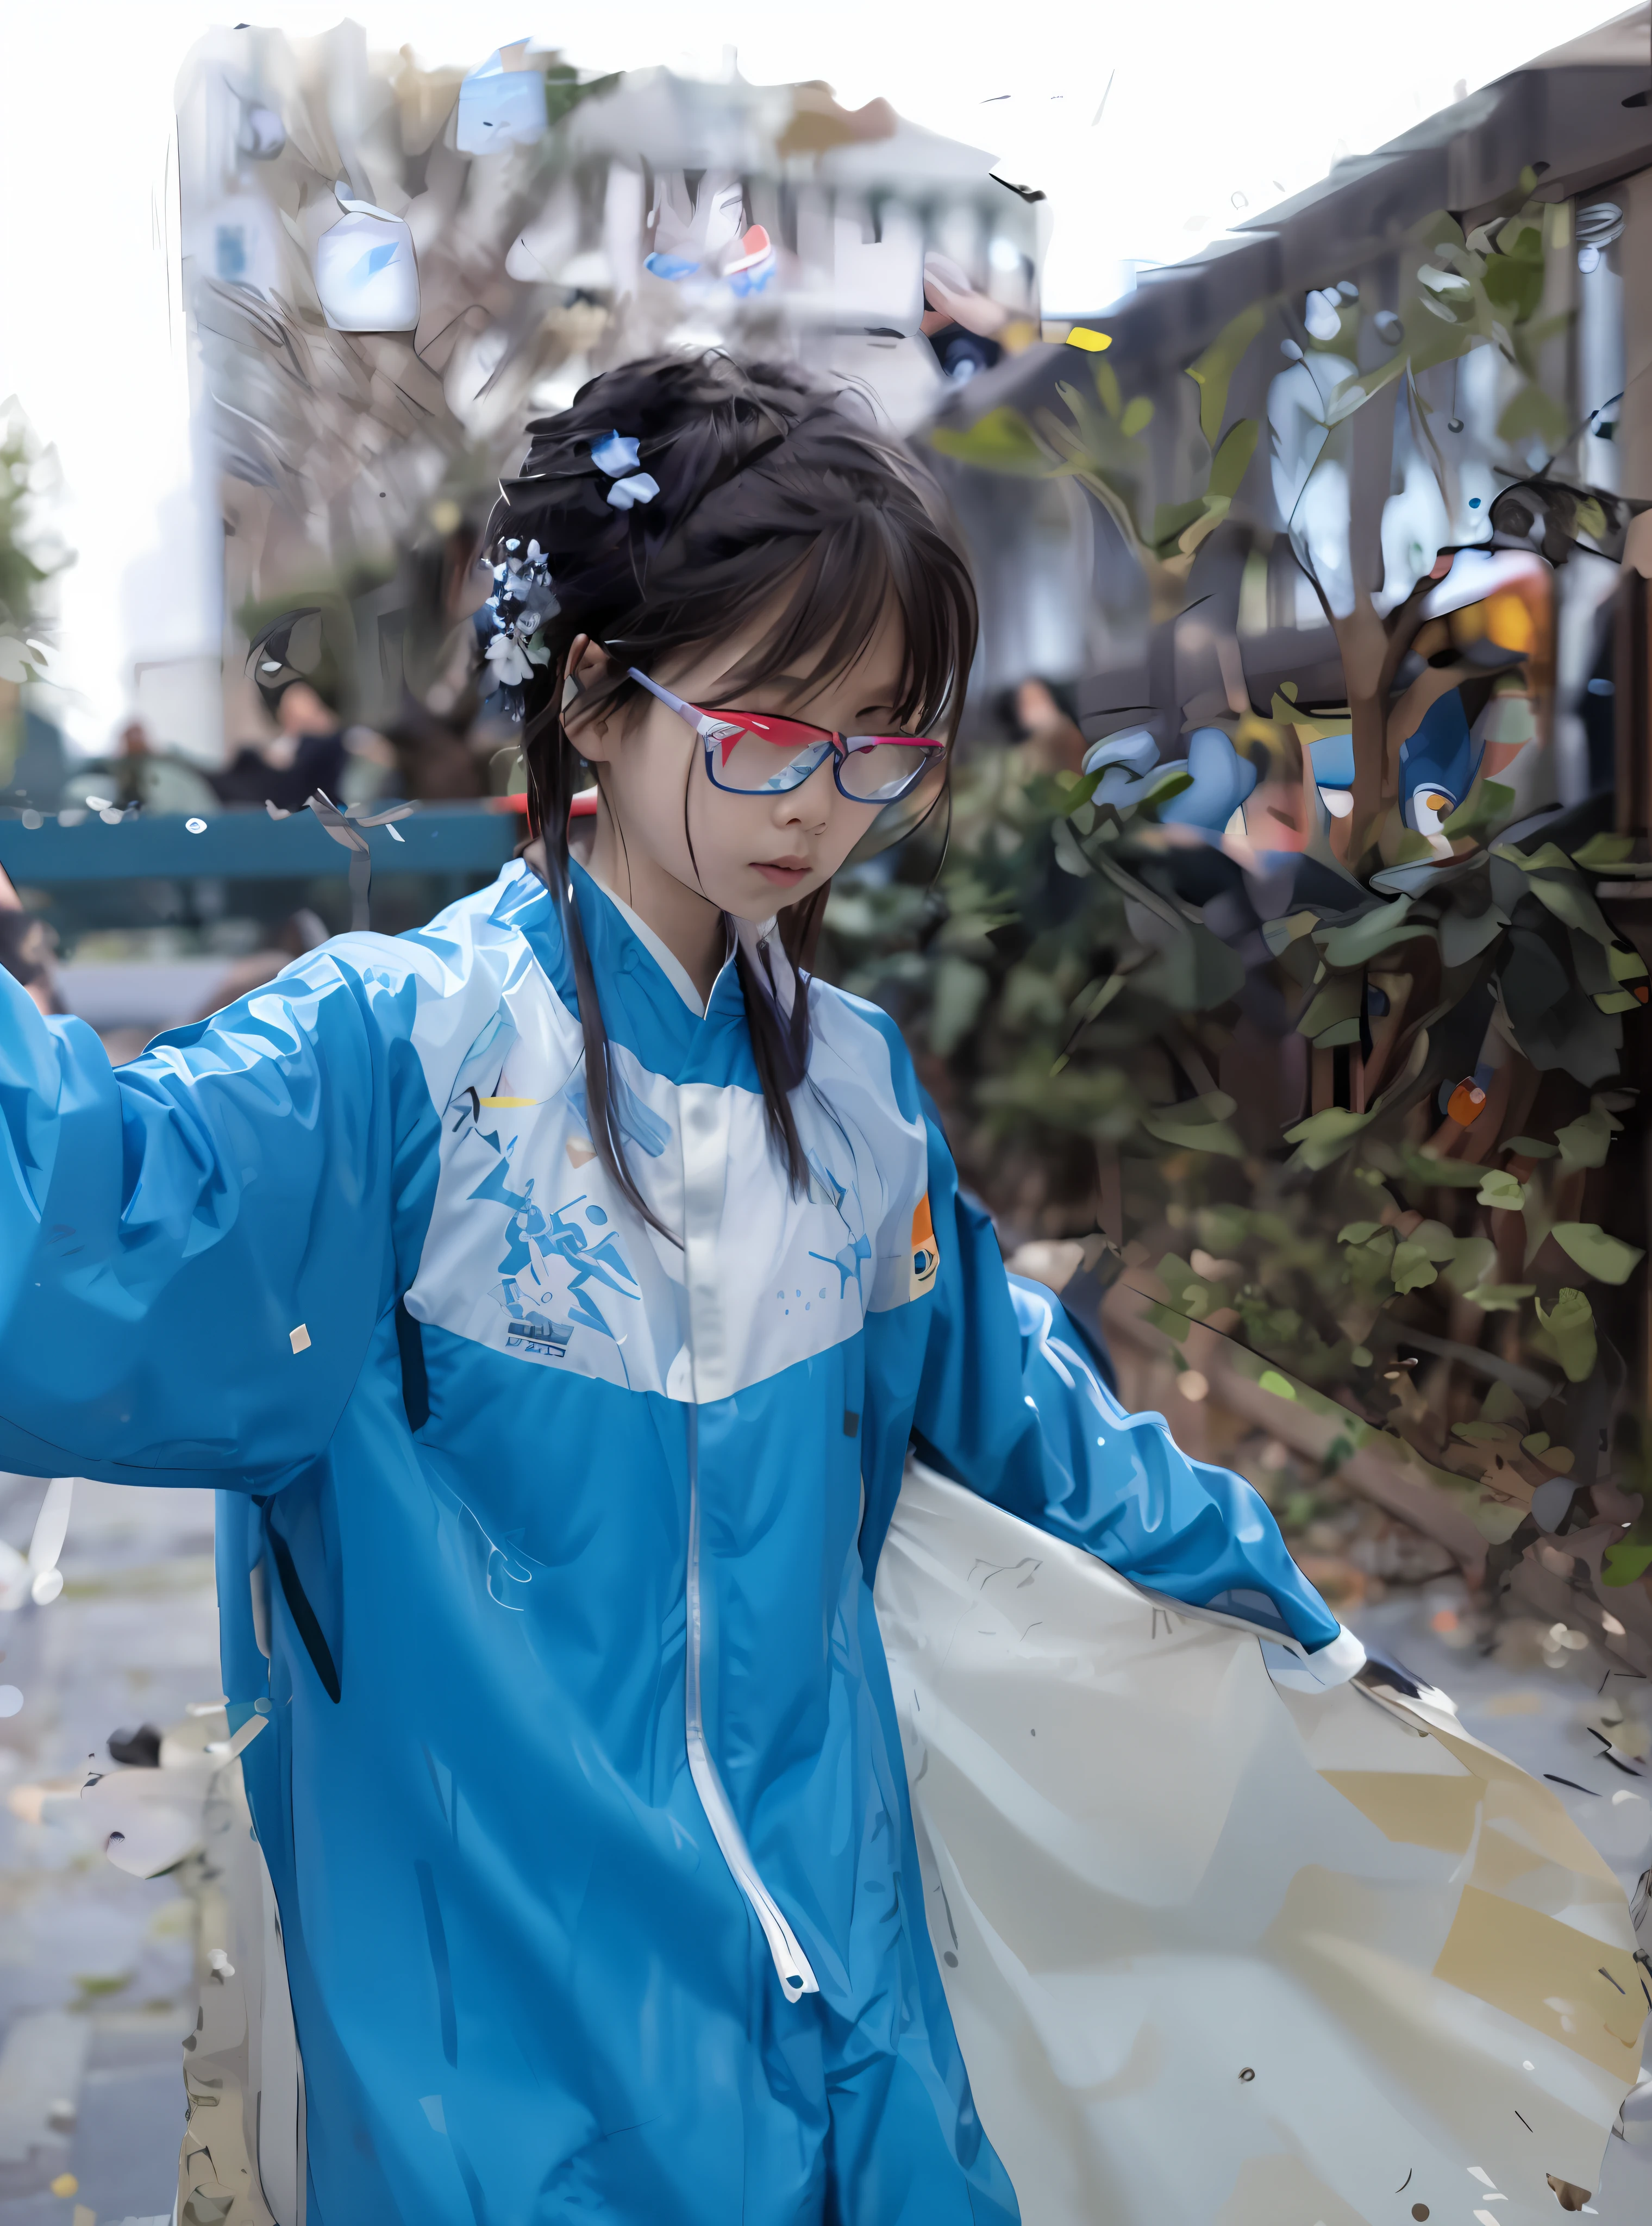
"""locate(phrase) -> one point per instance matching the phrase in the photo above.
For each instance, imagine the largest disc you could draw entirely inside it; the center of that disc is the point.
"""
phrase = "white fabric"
(1315, 1673)
(1221, 1954)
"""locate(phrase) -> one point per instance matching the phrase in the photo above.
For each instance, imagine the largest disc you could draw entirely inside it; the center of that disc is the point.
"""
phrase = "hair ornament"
(618, 456)
(509, 623)
(642, 487)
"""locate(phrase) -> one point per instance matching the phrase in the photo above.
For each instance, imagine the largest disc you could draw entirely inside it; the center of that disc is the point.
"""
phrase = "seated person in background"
(308, 753)
(1046, 736)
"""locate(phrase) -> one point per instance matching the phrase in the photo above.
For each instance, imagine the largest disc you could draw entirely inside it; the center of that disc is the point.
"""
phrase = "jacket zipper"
(792, 1966)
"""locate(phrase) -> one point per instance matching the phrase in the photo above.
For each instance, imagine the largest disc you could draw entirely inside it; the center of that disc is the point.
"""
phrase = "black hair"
(769, 488)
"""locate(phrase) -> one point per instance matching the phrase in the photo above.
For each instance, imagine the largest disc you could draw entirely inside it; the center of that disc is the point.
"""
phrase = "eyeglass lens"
(873, 771)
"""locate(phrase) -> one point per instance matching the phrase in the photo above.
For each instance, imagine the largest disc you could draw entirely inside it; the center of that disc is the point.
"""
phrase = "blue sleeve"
(1010, 1404)
(194, 1248)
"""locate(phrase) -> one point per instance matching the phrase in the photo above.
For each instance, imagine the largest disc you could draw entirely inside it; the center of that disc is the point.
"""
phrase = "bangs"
(837, 595)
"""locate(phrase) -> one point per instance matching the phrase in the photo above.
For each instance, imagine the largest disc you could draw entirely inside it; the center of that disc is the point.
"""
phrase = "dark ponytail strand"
(551, 795)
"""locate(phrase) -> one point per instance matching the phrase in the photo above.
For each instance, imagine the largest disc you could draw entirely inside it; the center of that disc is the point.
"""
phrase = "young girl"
(554, 1295)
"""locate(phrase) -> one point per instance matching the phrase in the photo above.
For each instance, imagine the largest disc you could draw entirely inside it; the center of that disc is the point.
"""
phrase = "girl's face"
(746, 856)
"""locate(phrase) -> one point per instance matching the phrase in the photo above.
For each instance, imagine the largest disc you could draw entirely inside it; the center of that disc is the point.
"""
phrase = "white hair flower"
(510, 661)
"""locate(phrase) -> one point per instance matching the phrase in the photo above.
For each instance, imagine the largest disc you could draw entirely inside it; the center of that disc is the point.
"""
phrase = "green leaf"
(1515, 285)
(1530, 861)
(1584, 1143)
(1464, 935)
(1375, 933)
(1213, 373)
(1199, 1125)
(1069, 856)
(1137, 418)
(1106, 386)
(1523, 237)
(1631, 1556)
(1486, 804)
(1449, 1174)
(1354, 392)
(1411, 1268)
(1099, 998)
(1570, 901)
(1499, 1190)
(1624, 1563)
(1334, 1010)
(1000, 441)
(1602, 851)
(1471, 1262)
(1501, 1404)
(1533, 415)
(1529, 1148)
(1436, 1240)
(1499, 1298)
(1606, 1257)
(1161, 786)
(1232, 459)
(1357, 1232)
(1170, 520)
(1326, 1137)
(1284, 712)
(1570, 1325)
(1271, 1380)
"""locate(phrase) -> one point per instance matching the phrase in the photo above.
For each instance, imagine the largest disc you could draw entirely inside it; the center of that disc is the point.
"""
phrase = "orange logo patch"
(925, 1258)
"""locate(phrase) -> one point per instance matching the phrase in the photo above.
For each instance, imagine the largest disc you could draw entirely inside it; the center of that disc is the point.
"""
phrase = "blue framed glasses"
(758, 753)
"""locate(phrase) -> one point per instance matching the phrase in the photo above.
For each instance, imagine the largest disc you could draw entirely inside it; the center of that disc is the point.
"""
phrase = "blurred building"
(389, 270)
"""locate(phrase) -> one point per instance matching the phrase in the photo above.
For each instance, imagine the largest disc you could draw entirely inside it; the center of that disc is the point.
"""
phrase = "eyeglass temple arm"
(675, 703)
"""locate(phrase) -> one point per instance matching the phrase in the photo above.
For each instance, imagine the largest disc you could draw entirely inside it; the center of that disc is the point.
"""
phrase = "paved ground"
(95, 1985)
(96, 1988)
(1535, 1703)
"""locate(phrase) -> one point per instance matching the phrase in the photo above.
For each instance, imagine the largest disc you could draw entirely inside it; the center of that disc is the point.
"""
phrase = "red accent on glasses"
(795, 735)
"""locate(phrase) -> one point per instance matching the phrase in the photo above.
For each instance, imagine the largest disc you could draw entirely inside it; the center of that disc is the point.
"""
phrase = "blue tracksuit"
(546, 1546)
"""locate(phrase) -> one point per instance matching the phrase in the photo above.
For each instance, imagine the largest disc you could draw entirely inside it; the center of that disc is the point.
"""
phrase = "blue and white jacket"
(545, 1545)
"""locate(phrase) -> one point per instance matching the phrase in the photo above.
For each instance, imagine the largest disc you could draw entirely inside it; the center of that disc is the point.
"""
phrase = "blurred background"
(1280, 963)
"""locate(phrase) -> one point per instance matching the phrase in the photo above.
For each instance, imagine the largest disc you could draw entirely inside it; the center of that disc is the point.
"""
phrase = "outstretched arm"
(193, 1248)
(1011, 1404)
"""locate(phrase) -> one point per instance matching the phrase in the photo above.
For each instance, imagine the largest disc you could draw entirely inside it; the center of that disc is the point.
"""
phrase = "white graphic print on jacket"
(763, 1278)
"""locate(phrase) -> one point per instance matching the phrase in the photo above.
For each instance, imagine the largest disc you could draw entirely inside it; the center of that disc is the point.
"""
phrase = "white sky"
(1207, 111)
